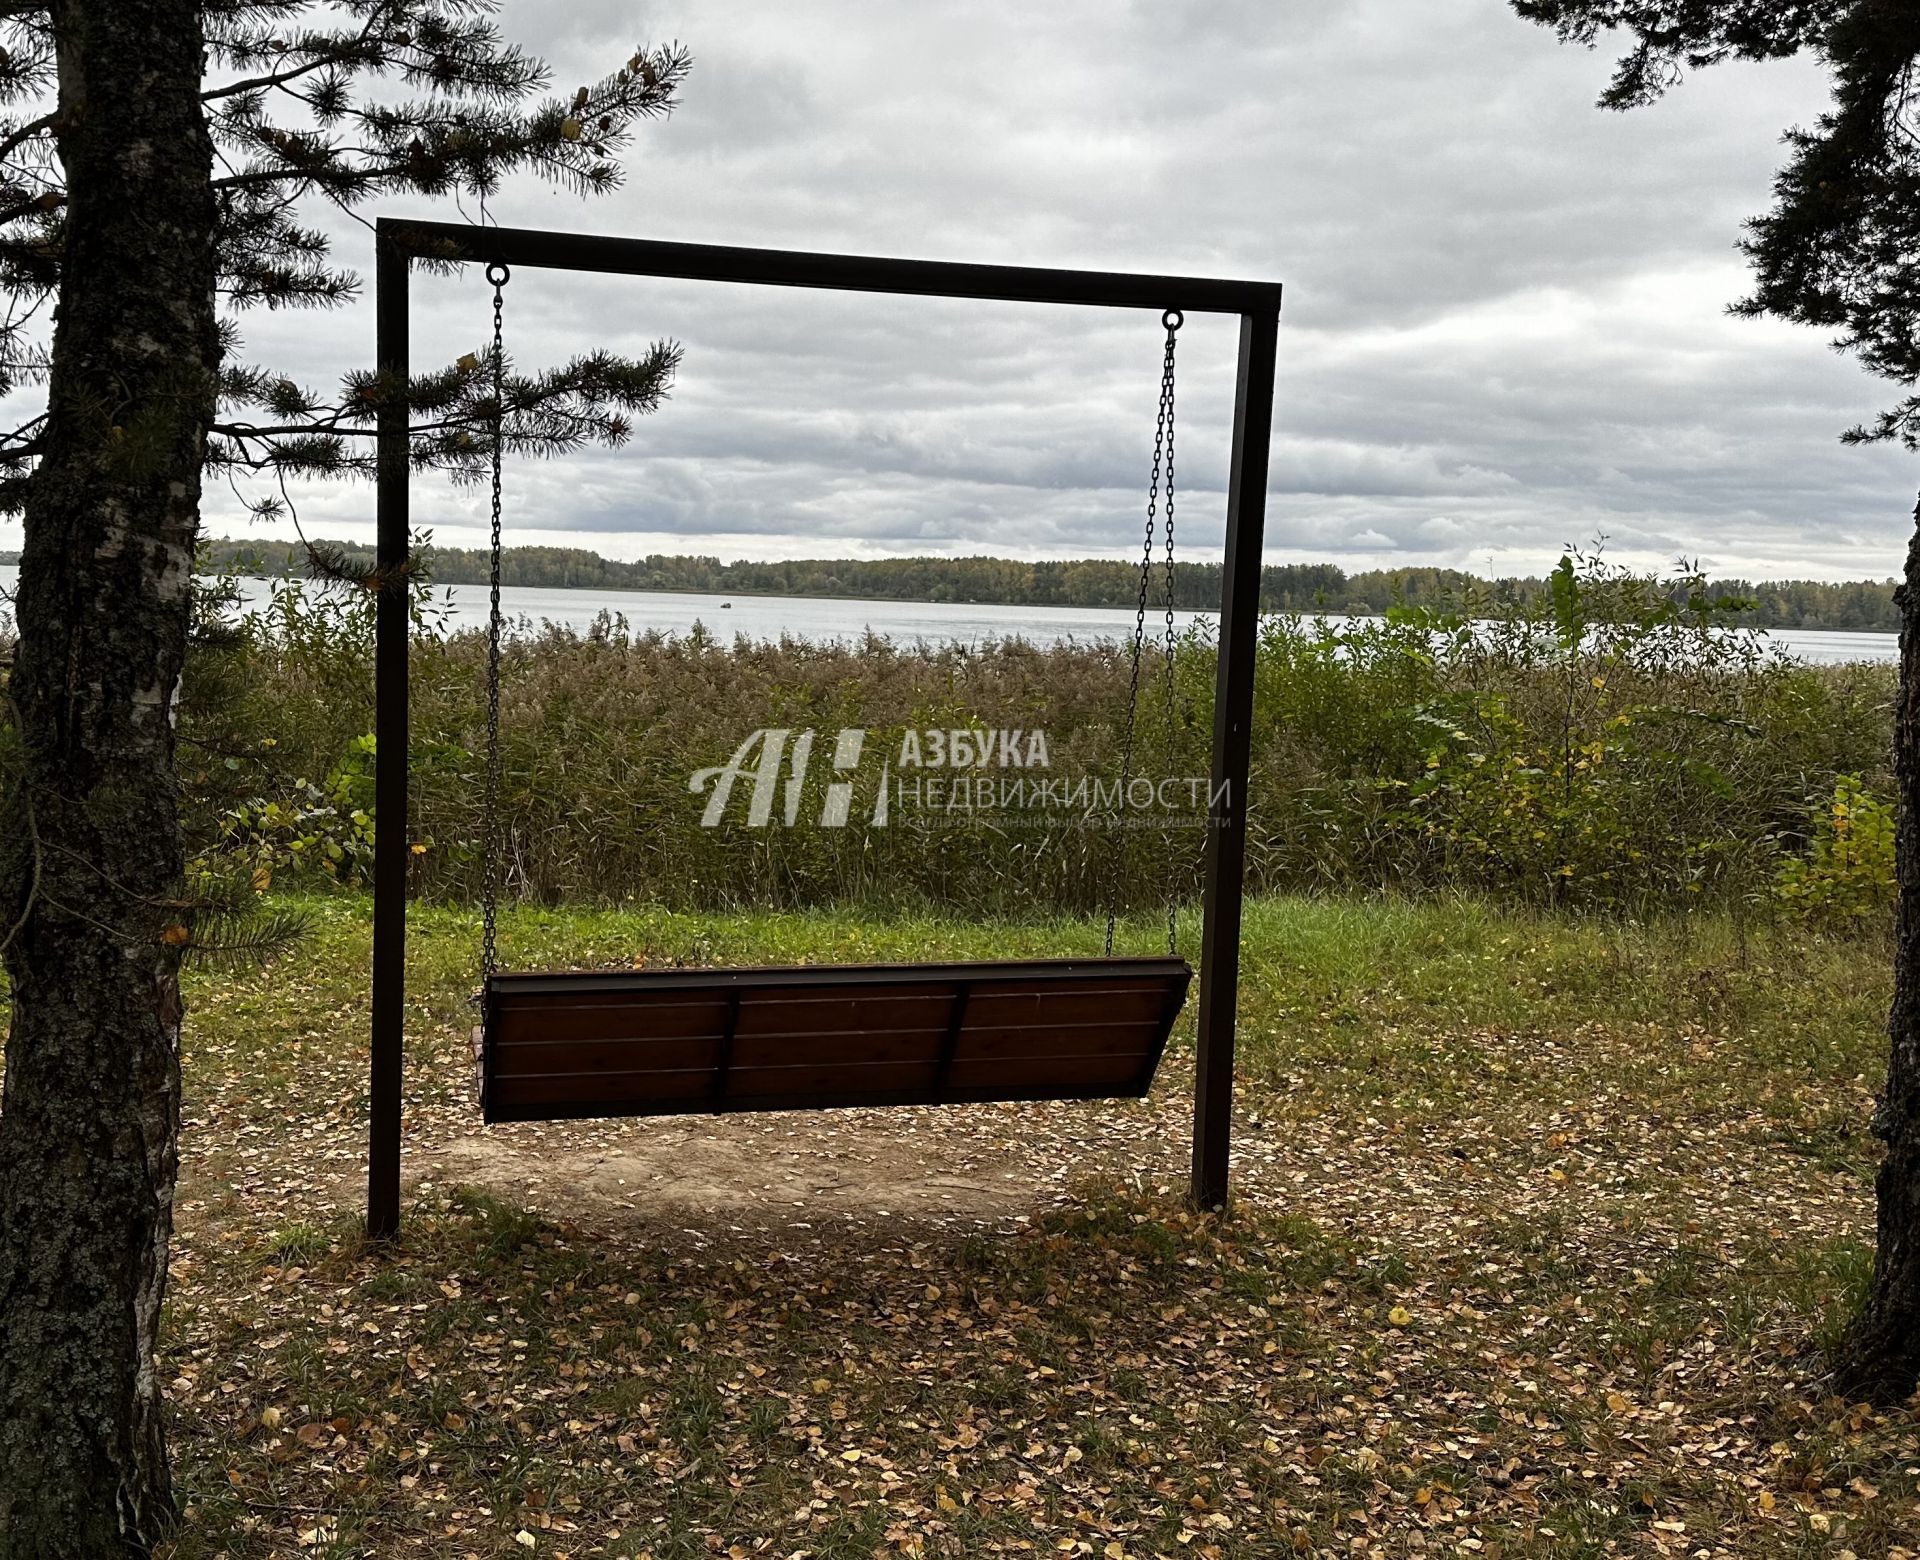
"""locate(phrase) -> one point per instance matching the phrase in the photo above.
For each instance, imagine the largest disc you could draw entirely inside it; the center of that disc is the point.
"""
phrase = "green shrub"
(1619, 743)
(324, 830)
(1846, 877)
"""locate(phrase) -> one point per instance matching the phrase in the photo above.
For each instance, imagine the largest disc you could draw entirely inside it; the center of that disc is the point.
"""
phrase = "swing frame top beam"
(399, 243)
(602, 253)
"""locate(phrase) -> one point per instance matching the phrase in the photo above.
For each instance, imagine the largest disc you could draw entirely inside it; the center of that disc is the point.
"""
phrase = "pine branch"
(480, 113)
(245, 938)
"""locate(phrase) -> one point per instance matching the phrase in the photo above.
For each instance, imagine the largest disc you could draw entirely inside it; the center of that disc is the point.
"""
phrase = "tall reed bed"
(1612, 747)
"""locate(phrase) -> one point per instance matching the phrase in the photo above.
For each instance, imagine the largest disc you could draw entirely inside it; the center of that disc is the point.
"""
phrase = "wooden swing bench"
(561, 1046)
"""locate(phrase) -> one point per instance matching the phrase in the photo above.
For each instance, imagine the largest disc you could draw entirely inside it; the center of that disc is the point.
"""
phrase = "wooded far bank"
(1087, 582)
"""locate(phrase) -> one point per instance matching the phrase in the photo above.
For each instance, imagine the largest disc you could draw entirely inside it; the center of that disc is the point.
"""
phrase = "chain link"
(1162, 458)
(493, 842)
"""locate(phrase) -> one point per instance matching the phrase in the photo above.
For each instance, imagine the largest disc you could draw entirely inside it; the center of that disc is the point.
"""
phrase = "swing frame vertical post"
(387, 1038)
(1232, 756)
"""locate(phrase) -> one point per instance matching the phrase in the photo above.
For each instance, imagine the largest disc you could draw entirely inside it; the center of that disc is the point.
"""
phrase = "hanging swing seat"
(567, 1045)
(667, 1042)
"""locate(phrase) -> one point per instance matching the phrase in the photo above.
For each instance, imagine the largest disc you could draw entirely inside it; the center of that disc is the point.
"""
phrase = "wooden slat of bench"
(622, 1053)
(616, 1054)
(747, 1105)
(994, 1005)
(900, 1045)
(769, 1018)
(642, 1056)
(835, 1078)
(687, 1095)
(639, 999)
(855, 1083)
(551, 1019)
(517, 985)
(644, 1053)
(979, 1045)
(1120, 1071)
(690, 1089)
(964, 1073)
(803, 1010)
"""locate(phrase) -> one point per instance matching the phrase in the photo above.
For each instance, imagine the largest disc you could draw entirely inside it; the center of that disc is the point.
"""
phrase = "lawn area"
(1541, 1230)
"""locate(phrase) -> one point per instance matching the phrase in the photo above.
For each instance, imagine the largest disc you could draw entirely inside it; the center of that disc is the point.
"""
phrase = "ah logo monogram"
(775, 757)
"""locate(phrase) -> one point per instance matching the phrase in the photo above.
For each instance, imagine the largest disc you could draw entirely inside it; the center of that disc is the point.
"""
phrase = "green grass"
(1398, 1006)
(1544, 1227)
(1312, 968)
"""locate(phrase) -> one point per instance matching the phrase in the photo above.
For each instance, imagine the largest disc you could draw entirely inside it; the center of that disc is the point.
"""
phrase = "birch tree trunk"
(90, 849)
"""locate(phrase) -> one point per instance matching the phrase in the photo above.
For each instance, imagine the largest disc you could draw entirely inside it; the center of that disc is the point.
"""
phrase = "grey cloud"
(1504, 327)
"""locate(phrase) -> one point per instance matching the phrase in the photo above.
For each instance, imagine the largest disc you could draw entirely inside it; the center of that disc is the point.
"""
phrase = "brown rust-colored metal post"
(390, 746)
(1232, 749)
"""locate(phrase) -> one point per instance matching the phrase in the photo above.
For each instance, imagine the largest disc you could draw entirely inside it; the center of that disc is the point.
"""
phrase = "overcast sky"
(1504, 327)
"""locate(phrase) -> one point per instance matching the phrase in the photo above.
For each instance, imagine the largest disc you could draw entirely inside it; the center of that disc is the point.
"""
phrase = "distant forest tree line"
(1083, 582)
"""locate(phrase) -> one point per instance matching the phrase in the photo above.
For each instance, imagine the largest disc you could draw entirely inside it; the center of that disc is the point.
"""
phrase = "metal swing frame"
(727, 1086)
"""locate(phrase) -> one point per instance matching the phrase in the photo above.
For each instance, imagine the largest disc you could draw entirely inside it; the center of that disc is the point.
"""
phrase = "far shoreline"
(1017, 606)
(1358, 613)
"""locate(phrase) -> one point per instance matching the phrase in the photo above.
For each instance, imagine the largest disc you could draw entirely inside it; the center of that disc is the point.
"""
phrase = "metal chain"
(1162, 456)
(1166, 394)
(491, 833)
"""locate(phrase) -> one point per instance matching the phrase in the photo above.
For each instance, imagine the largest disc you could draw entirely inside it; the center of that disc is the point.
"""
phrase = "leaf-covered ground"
(1541, 1232)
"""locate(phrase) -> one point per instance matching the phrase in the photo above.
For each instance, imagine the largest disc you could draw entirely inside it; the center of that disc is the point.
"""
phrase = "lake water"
(803, 617)
(807, 617)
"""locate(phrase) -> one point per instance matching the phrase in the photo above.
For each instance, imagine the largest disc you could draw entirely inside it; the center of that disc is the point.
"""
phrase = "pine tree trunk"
(1883, 1355)
(90, 851)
